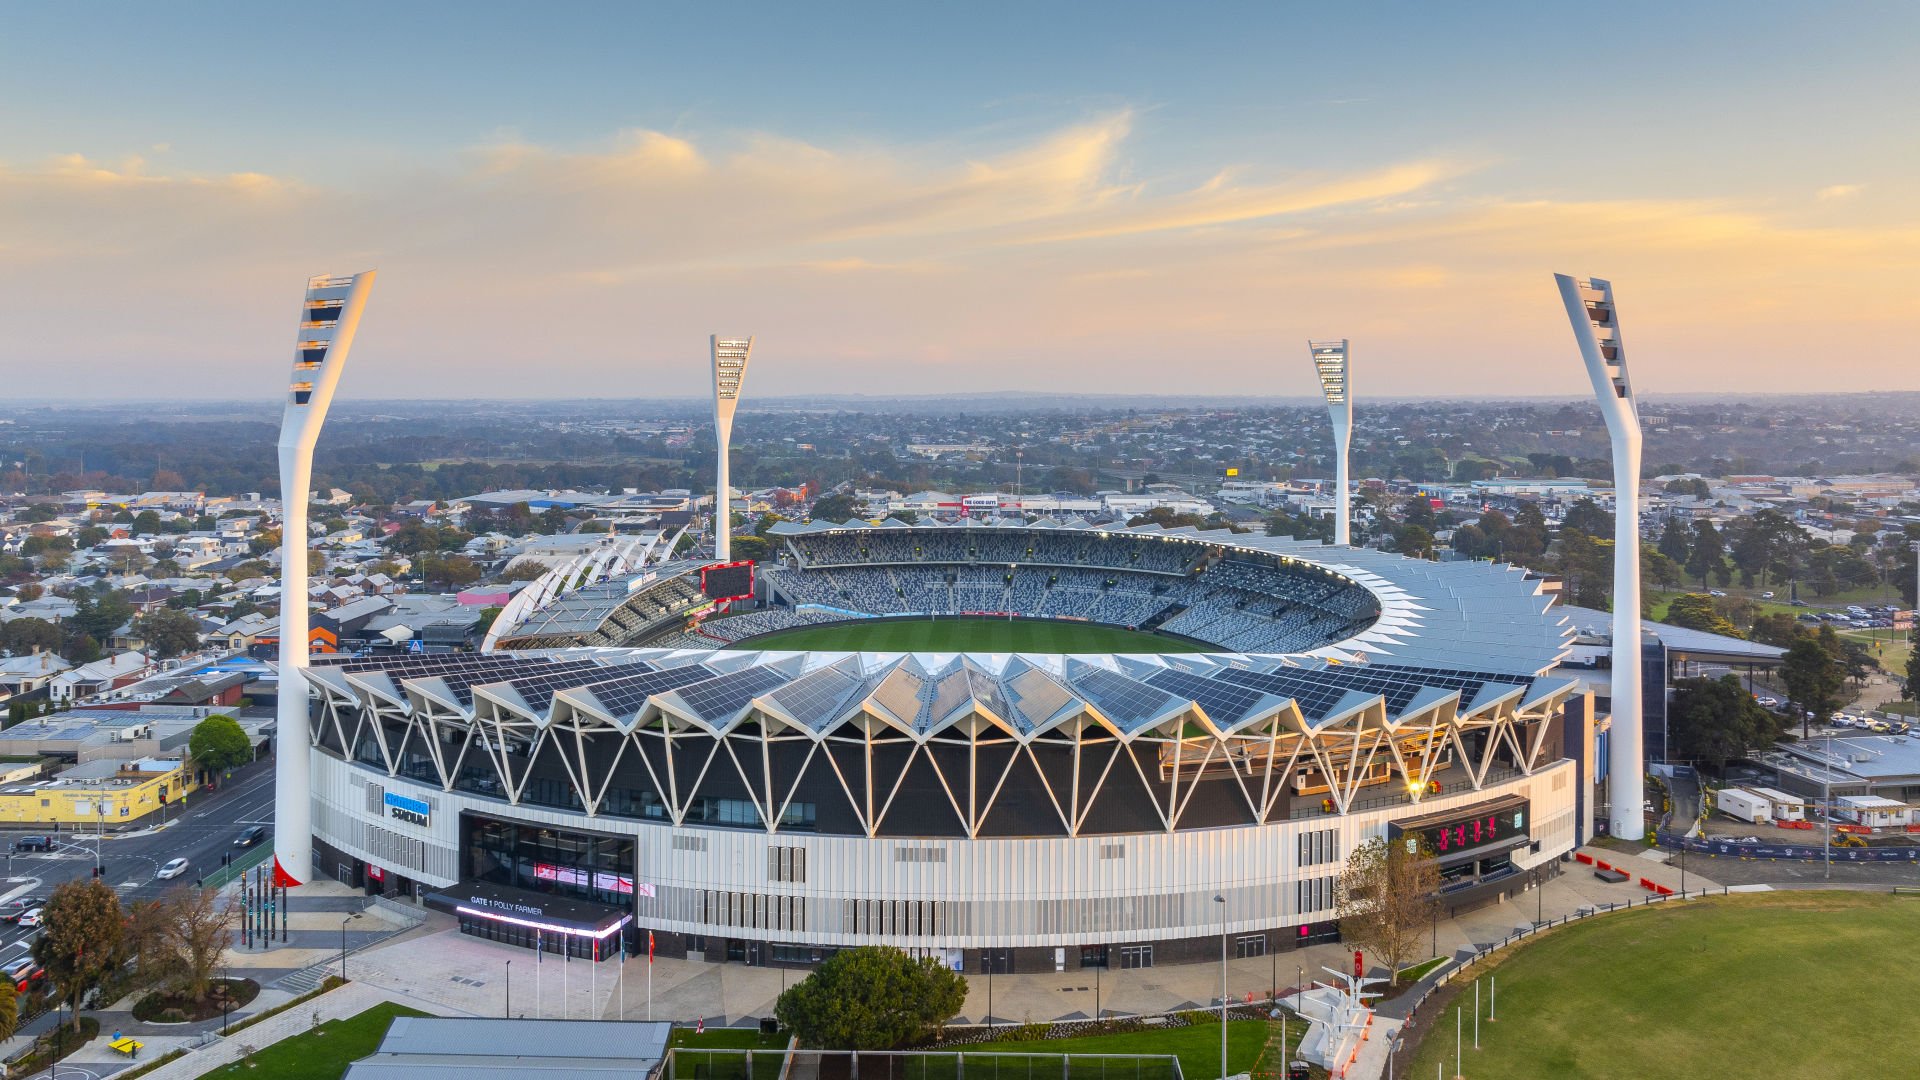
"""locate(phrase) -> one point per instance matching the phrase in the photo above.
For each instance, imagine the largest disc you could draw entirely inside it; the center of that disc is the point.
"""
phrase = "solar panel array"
(817, 698)
(1227, 703)
(719, 700)
(625, 696)
(537, 690)
(1123, 700)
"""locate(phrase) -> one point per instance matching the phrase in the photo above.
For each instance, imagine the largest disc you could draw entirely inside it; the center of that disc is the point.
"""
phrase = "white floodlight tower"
(328, 317)
(1596, 327)
(1336, 385)
(730, 356)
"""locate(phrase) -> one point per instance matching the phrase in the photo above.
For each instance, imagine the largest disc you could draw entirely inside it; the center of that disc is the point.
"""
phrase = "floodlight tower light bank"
(1336, 385)
(730, 356)
(328, 318)
(1596, 327)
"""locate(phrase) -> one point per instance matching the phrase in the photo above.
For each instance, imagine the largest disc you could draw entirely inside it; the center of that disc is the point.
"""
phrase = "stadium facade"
(615, 772)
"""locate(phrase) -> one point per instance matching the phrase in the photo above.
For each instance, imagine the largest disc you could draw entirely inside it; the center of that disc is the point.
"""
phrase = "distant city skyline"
(566, 202)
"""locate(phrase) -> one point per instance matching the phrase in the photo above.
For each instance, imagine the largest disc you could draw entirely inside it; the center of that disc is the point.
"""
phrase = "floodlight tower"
(730, 356)
(1336, 385)
(1596, 327)
(328, 318)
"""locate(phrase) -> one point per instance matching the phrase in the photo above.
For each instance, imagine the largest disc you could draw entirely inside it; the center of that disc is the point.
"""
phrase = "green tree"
(1388, 895)
(1676, 542)
(1586, 515)
(1695, 611)
(1526, 538)
(82, 931)
(523, 570)
(1814, 676)
(750, 547)
(9, 1015)
(873, 997)
(168, 633)
(834, 508)
(1708, 553)
(1413, 540)
(1717, 720)
(1777, 629)
(21, 636)
(1911, 690)
(1657, 568)
(449, 571)
(218, 743)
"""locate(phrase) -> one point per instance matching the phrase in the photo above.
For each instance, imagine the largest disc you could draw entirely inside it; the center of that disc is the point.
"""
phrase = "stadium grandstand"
(642, 758)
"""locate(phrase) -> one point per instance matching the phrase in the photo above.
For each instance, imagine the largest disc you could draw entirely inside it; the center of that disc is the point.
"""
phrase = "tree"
(1695, 611)
(523, 570)
(449, 571)
(1526, 538)
(9, 1015)
(168, 633)
(196, 929)
(1814, 676)
(82, 931)
(1911, 690)
(1388, 896)
(21, 636)
(871, 998)
(1675, 542)
(1414, 541)
(1716, 720)
(1586, 515)
(834, 508)
(1709, 551)
(1778, 630)
(1657, 568)
(218, 743)
(750, 547)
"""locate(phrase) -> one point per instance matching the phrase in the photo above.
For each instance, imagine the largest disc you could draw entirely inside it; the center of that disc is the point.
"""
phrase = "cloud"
(523, 268)
(1838, 191)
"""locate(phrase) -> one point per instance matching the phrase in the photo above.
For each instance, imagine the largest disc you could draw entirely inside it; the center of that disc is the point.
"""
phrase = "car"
(33, 843)
(24, 973)
(1715, 592)
(31, 918)
(253, 835)
(173, 869)
(1766, 596)
(1841, 720)
(1769, 701)
(11, 910)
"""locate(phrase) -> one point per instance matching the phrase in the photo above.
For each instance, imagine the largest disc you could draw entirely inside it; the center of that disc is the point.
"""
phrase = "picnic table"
(127, 1045)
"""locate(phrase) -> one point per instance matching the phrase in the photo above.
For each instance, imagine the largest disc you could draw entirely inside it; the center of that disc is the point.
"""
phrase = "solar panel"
(624, 696)
(1226, 703)
(815, 698)
(1123, 700)
(719, 700)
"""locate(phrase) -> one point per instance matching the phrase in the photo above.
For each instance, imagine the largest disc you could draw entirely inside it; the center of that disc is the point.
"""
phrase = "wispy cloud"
(1838, 191)
(867, 262)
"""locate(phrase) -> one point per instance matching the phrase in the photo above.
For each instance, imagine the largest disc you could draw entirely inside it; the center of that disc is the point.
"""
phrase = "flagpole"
(539, 961)
(566, 961)
(593, 981)
(649, 975)
(623, 973)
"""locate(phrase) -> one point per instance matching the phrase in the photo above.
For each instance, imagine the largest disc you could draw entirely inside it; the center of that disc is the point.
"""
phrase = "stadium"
(1017, 746)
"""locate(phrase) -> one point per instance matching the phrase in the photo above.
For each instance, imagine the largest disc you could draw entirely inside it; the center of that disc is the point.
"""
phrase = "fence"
(687, 1063)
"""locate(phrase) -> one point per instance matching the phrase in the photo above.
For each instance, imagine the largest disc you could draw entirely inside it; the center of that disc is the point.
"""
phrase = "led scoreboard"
(727, 581)
(1501, 823)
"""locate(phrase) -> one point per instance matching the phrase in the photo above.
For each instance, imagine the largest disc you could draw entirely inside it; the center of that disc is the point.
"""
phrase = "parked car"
(1769, 701)
(33, 843)
(253, 835)
(31, 918)
(1842, 720)
(1766, 596)
(173, 869)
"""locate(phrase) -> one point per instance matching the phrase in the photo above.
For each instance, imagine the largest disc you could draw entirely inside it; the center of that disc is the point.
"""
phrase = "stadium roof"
(1474, 616)
(924, 694)
(1697, 644)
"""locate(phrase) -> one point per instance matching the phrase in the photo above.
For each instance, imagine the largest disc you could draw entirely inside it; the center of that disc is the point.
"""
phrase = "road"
(201, 834)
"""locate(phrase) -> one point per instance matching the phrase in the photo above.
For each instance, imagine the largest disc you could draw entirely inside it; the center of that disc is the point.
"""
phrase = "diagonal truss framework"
(962, 745)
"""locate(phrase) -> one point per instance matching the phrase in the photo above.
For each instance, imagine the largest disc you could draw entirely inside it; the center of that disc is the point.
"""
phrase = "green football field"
(970, 635)
(1767, 985)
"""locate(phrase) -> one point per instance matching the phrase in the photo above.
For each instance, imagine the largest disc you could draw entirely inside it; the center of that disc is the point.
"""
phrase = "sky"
(564, 200)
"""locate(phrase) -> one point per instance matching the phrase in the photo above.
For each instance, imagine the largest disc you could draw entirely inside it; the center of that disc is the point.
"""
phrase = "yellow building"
(103, 792)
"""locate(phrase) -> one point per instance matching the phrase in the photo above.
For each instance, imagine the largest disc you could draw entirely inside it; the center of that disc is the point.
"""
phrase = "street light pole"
(1222, 901)
(343, 942)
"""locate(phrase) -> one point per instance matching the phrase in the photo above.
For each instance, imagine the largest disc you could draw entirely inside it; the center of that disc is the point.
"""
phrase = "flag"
(539, 946)
(644, 889)
(649, 946)
(700, 1026)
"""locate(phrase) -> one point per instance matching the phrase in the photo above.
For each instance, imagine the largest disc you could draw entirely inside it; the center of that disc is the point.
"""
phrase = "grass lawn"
(1769, 985)
(323, 1054)
(970, 635)
(726, 1062)
(1890, 647)
(1197, 1047)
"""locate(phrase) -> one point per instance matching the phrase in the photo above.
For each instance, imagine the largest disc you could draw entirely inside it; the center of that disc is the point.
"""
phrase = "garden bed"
(223, 996)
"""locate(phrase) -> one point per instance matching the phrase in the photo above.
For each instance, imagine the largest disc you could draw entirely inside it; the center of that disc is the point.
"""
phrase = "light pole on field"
(1222, 901)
